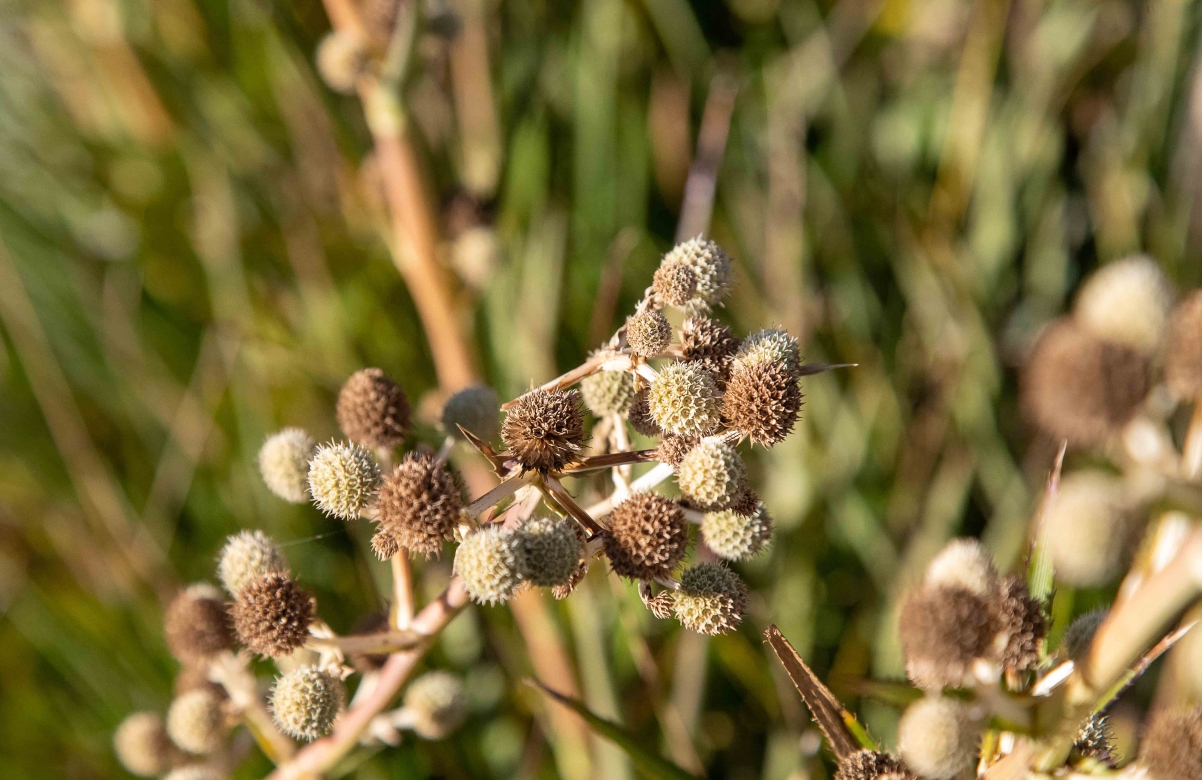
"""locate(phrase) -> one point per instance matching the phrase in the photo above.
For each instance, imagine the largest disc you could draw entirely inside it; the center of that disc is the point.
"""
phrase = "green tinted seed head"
(684, 400)
(246, 556)
(486, 563)
(711, 599)
(437, 704)
(608, 392)
(712, 475)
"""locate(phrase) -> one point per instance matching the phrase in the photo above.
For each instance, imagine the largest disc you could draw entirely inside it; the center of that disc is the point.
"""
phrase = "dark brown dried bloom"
(872, 765)
(639, 415)
(1095, 740)
(1172, 745)
(674, 282)
(197, 625)
(1079, 388)
(647, 536)
(709, 344)
(673, 448)
(762, 402)
(272, 615)
(648, 333)
(1021, 621)
(747, 503)
(942, 630)
(1183, 352)
(373, 410)
(419, 504)
(545, 429)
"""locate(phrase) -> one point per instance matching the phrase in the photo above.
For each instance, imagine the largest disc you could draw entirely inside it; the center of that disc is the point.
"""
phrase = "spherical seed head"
(736, 536)
(384, 544)
(963, 563)
(419, 504)
(1172, 745)
(674, 282)
(639, 415)
(142, 745)
(762, 401)
(1078, 637)
(196, 721)
(710, 345)
(373, 410)
(1183, 350)
(342, 479)
(248, 555)
(938, 736)
(942, 630)
(712, 267)
(684, 400)
(1096, 740)
(437, 703)
(1086, 529)
(608, 392)
(872, 765)
(711, 600)
(486, 563)
(1126, 302)
(648, 333)
(474, 408)
(272, 615)
(305, 702)
(340, 59)
(1080, 388)
(1022, 625)
(647, 538)
(547, 551)
(545, 429)
(712, 475)
(284, 464)
(196, 624)
(770, 345)
(195, 772)
(673, 448)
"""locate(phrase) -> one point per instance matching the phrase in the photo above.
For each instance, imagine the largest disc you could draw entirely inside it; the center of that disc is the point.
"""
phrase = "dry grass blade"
(594, 462)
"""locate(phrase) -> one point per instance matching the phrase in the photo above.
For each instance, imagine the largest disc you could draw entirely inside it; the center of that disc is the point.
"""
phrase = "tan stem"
(1191, 452)
(232, 672)
(401, 614)
(368, 644)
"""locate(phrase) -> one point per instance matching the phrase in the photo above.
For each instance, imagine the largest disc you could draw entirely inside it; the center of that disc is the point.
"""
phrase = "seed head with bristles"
(711, 600)
(872, 765)
(142, 745)
(1172, 745)
(248, 555)
(1078, 637)
(673, 448)
(770, 345)
(674, 282)
(475, 409)
(342, 479)
(712, 267)
(196, 624)
(647, 537)
(373, 410)
(545, 429)
(762, 401)
(284, 464)
(486, 563)
(736, 536)
(648, 333)
(942, 630)
(196, 721)
(1021, 625)
(341, 57)
(437, 704)
(710, 345)
(1096, 740)
(684, 400)
(1126, 302)
(305, 702)
(547, 551)
(419, 504)
(1086, 529)
(712, 475)
(963, 563)
(272, 615)
(608, 392)
(1183, 348)
(639, 415)
(938, 736)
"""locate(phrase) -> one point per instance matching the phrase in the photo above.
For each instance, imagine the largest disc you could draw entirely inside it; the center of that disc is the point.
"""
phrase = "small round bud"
(712, 475)
(872, 765)
(712, 267)
(437, 704)
(475, 409)
(1021, 625)
(284, 464)
(963, 563)
(684, 400)
(340, 60)
(545, 429)
(639, 415)
(419, 504)
(1126, 302)
(647, 537)
(196, 721)
(942, 630)
(673, 448)
(372, 410)
(1078, 637)
(1183, 351)
(196, 624)
(384, 544)
(1172, 745)
(711, 600)
(736, 536)
(486, 563)
(674, 282)
(142, 745)
(762, 401)
(195, 772)
(1086, 529)
(938, 737)
(772, 346)
(305, 702)
(248, 555)
(272, 615)
(648, 333)
(342, 479)
(547, 551)
(608, 392)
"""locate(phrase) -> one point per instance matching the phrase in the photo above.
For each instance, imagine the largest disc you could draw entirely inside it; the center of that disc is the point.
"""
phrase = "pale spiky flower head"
(1086, 529)
(142, 745)
(1172, 745)
(872, 765)
(712, 267)
(762, 401)
(712, 475)
(608, 392)
(437, 704)
(770, 345)
(648, 535)
(674, 282)
(373, 410)
(341, 57)
(284, 464)
(735, 536)
(474, 408)
(546, 550)
(938, 736)
(195, 772)
(486, 563)
(684, 400)
(544, 429)
(305, 702)
(196, 721)
(342, 479)
(711, 599)
(1126, 302)
(196, 624)
(1078, 637)
(246, 556)
(272, 615)
(648, 333)
(1183, 351)
(942, 630)
(419, 505)
(963, 563)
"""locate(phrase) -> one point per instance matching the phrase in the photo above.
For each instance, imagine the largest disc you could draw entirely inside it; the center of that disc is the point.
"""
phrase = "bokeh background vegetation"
(191, 256)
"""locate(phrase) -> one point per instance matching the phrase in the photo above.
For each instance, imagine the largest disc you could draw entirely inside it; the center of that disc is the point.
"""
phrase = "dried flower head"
(373, 410)
(272, 615)
(1183, 350)
(746, 503)
(639, 415)
(712, 475)
(1126, 302)
(142, 745)
(937, 737)
(475, 409)
(195, 772)
(711, 600)
(710, 345)
(305, 702)
(942, 630)
(1096, 740)
(1086, 529)
(1021, 625)
(647, 537)
(736, 536)
(196, 721)
(284, 464)
(963, 563)
(674, 282)
(648, 333)
(608, 392)
(762, 401)
(486, 563)
(437, 704)
(684, 400)
(384, 544)
(1078, 637)
(342, 479)
(248, 555)
(196, 624)
(673, 448)
(341, 57)
(872, 765)
(1172, 745)
(712, 267)
(661, 604)
(545, 429)
(547, 550)
(419, 504)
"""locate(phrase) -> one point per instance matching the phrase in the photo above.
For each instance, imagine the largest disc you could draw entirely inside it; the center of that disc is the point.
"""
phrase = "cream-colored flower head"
(1126, 302)
(938, 737)
(608, 392)
(1086, 529)
(246, 556)
(547, 551)
(711, 599)
(648, 333)
(195, 772)
(437, 704)
(486, 563)
(712, 267)
(772, 346)
(963, 563)
(142, 745)
(305, 702)
(284, 464)
(196, 721)
(735, 536)
(342, 479)
(684, 400)
(712, 475)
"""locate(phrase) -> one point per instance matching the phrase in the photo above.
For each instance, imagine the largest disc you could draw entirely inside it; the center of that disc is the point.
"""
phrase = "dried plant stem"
(646, 482)
(368, 644)
(232, 672)
(401, 615)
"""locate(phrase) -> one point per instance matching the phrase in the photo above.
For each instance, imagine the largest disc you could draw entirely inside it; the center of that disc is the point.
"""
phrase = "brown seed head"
(673, 448)
(1172, 745)
(872, 765)
(762, 402)
(384, 544)
(272, 615)
(647, 537)
(545, 429)
(1183, 353)
(197, 625)
(709, 344)
(712, 599)
(942, 631)
(373, 410)
(674, 282)
(419, 504)
(648, 333)
(639, 415)
(1022, 623)
(747, 502)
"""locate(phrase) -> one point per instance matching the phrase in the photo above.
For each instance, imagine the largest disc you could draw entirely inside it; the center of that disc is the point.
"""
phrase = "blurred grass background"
(191, 256)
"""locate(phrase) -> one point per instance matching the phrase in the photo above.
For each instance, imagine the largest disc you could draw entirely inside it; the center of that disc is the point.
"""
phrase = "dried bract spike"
(1078, 637)
(545, 429)
(476, 410)
(437, 703)
(248, 555)
(942, 631)
(762, 401)
(872, 765)
(647, 537)
(419, 504)
(1126, 302)
(648, 333)
(486, 563)
(712, 267)
(674, 282)
(547, 551)
(963, 563)
(305, 702)
(373, 410)
(1022, 625)
(384, 544)
(196, 721)
(673, 448)
(736, 536)
(662, 604)
(142, 745)
(639, 415)
(272, 615)
(684, 400)
(711, 600)
(340, 60)
(938, 737)
(1086, 529)
(196, 624)
(342, 479)
(1172, 745)
(712, 475)
(608, 392)
(1183, 350)
(1096, 740)
(284, 464)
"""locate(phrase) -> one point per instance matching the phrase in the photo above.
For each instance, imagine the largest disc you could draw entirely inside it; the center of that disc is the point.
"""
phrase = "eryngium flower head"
(736, 536)
(196, 721)
(673, 448)
(437, 704)
(1127, 302)
(937, 737)
(196, 624)
(1172, 745)
(872, 765)
(272, 615)
(419, 504)
(762, 401)
(710, 264)
(1078, 637)
(710, 345)
(684, 400)
(373, 410)
(647, 537)
(648, 333)
(963, 563)
(639, 415)
(608, 392)
(712, 475)
(340, 60)
(475, 409)
(248, 555)
(486, 563)
(1021, 625)
(142, 745)
(1183, 351)
(942, 630)
(674, 282)
(1086, 529)
(305, 702)
(545, 429)
(711, 599)
(770, 345)
(547, 551)
(1080, 388)
(284, 464)
(342, 479)
(1096, 740)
